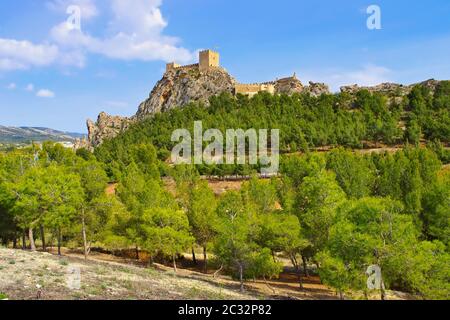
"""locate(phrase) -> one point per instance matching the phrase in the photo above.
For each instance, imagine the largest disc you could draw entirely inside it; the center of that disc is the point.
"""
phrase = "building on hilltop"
(278, 86)
(208, 60)
(253, 88)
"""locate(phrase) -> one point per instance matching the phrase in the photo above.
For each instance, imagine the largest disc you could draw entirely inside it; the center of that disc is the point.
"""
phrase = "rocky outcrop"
(181, 86)
(430, 84)
(289, 86)
(293, 85)
(106, 127)
(82, 143)
(316, 89)
(392, 89)
(385, 88)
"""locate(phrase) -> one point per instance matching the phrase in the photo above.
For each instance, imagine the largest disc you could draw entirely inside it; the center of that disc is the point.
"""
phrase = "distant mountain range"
(36, 134)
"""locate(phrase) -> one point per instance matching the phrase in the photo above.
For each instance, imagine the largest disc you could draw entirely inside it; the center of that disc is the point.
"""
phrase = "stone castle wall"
(253, 88)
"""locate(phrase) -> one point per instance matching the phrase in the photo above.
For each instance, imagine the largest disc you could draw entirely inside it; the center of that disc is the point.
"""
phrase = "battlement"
(253, 88)
(208, 59)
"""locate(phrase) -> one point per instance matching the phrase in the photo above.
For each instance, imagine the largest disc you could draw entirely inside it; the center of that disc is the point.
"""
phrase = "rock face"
(394, 89)
(181, 86)
(293, 85)
(289, 86)
(316, 89)
(106, 127)
(385, 88)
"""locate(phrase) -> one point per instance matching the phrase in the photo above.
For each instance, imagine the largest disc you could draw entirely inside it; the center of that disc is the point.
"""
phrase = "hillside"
(364, 120)
(37, 134)
(26, 275)
(205, 82)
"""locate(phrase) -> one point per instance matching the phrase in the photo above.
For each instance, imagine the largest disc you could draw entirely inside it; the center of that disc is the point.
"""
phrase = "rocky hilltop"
(106, 127)
(178, 87)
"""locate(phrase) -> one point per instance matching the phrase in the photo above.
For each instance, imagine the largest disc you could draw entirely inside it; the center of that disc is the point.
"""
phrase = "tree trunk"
(294, 262)
(84, 238)
(205, 260)
(299, 276)
(366, 296)
(24, 240)
(59, 241)
(305, 268)
(137, 252)
(241, 276)
(341, 295)
(268, 285)
(30, 235)
(15, 241)
(151, 261)
(174, 263)
(217, 272)
(382, 290)
(194, 259)
(43, 237)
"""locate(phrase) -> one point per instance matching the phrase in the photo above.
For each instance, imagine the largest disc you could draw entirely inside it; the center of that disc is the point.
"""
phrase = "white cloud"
(11, 86)
(45, 93)
(136, 34)
(8, 64)
(141, 18)
(16, 54)
(29, 87)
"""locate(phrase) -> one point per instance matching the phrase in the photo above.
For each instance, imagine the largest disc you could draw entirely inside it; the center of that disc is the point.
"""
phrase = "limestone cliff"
(316, 89)
(293, 85)
(106, 127)
(180, 86)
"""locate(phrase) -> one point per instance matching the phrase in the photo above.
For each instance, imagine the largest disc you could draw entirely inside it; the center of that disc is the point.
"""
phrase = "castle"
(198, 82)
(209, 60)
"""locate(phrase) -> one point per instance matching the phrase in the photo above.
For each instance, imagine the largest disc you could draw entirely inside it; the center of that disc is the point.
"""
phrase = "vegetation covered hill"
(350, 120)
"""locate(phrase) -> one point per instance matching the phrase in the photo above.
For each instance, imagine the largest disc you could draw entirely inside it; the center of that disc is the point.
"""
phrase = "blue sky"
(55, 77)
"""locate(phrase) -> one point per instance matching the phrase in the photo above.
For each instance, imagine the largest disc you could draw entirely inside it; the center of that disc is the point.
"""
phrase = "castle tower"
(208, 59)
